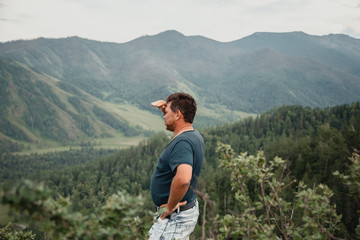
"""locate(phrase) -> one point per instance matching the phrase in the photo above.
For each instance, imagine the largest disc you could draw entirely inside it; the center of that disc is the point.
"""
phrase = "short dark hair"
(185, 103)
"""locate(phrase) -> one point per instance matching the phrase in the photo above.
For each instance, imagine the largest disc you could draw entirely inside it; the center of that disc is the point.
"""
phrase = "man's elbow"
(186, 183)
(183, 182)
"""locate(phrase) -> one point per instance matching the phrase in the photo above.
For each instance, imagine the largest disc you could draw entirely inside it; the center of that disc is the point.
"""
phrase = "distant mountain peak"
(172, 33)
(165, 34)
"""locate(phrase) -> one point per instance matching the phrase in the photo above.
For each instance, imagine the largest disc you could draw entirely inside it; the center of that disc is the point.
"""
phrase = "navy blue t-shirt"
(186, 148)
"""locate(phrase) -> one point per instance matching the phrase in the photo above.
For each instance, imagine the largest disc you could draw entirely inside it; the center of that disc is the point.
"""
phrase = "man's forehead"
(168, 108)
(168, 105)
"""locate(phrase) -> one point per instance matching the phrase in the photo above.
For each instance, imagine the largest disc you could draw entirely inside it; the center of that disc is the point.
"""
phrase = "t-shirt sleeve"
(182, 153)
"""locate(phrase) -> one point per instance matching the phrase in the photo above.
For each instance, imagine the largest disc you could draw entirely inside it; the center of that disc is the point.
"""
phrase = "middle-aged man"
(177, 171)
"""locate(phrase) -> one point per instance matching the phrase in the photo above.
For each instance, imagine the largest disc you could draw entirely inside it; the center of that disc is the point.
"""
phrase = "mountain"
(36, 108)
(251, 75)
(335, 50)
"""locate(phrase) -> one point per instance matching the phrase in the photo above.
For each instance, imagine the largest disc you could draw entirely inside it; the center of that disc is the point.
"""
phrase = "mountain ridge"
(252, 74)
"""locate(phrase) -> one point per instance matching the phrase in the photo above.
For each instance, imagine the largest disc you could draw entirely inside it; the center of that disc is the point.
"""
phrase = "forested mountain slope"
(62, 90)
(38, 108)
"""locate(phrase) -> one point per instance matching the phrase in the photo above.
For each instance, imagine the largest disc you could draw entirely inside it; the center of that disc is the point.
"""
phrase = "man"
(177, 171)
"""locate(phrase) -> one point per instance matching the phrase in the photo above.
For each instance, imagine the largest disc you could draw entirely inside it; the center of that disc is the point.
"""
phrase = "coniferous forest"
(289, 173)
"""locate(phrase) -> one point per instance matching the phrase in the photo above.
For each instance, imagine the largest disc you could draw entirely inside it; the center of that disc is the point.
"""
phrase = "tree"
(352, 181)
(265, 211)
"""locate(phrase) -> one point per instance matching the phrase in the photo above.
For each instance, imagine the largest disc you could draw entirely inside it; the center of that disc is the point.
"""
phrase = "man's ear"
(179, 115)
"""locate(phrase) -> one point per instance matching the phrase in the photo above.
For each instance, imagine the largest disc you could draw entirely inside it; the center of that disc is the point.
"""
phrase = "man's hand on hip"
(170, 211)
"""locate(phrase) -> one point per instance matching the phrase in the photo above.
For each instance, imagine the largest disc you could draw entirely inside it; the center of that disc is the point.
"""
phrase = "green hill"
(37, 109)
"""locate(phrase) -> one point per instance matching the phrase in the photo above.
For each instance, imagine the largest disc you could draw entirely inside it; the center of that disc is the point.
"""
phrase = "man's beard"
(169, 127)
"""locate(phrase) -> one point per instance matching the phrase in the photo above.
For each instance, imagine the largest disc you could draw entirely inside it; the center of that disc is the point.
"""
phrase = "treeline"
(314, 142)
(32, 166)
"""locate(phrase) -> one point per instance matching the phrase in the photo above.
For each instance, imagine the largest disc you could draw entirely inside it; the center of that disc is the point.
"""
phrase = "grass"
(136, 116)
(116, 142)
(222, 113)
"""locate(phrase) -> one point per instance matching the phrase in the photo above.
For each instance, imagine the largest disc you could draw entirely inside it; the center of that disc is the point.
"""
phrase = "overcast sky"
(222, 20)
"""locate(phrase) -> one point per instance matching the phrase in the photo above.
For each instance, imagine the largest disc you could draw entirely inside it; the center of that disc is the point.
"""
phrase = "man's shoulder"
(190, 135)
(191, 138)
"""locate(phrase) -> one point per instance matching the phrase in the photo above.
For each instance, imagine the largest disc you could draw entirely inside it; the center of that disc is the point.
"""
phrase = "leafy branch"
(268, 215)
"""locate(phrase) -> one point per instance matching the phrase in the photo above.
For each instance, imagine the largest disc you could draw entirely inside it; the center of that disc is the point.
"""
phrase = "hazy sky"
(221, 20)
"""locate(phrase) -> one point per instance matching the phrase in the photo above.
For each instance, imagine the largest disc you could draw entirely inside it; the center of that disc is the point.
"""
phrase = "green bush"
(121, 217)
(268, 212)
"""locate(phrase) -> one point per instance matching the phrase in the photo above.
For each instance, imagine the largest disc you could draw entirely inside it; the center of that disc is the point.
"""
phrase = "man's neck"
(183, 128)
